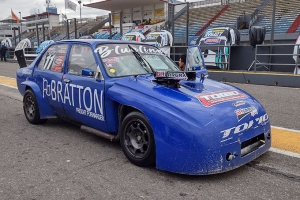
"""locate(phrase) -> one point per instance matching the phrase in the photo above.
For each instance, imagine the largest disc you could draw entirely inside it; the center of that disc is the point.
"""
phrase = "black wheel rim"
(29, 107)
(137, 139)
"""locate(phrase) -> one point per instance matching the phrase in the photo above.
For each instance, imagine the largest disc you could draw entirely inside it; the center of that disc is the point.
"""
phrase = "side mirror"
(88, 72)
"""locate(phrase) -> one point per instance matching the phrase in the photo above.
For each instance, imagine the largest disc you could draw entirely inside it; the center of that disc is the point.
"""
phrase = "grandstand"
(212, 14)
(202, 15)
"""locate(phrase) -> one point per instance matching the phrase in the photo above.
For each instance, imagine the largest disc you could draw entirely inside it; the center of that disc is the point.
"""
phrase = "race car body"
(162, 39)
(133, 36)
(179, 121)
(215, 44)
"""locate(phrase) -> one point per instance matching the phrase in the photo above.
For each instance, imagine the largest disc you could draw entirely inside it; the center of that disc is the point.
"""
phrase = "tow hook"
(230, 156)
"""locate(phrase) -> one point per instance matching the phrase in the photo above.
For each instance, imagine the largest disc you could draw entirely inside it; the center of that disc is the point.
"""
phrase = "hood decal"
(214, 98)
(243, 112)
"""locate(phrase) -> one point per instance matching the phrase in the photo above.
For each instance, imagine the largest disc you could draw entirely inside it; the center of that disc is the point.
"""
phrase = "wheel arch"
(124, 110)
(45, 110)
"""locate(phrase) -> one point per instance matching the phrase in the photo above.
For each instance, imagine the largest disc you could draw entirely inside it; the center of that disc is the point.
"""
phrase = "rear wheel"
(137, 140)
(31, 108)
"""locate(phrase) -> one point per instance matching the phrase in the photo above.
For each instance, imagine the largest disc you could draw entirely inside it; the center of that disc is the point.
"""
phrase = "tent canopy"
(114, 5)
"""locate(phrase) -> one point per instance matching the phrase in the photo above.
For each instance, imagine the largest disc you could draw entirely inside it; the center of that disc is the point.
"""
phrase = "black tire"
(31, 108)
(137, 140)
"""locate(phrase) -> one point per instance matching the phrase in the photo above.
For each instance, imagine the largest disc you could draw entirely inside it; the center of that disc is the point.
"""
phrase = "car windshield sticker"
(243, 112)
(90, 102)
(54, 58)
(262, 120)
(112, 70)
(49, 60)
(115, 50)
(112, 60)
(214, 98)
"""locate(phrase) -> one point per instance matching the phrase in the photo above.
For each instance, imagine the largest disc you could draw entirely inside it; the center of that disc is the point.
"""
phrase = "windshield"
(194, 59)
(119, 61)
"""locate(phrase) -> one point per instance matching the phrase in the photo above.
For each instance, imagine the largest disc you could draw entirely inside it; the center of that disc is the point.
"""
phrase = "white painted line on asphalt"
(286, 129)
(283, 152)
(8, 86)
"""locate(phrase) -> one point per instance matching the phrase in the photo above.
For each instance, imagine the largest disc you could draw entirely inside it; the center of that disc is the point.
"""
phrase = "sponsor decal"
(239, 103)
(26, 71)
(88, 102)
(262, 120)
(130, 36)
(111, 60)
(160, 74)
(153, 36)
(171, 75)
(109, 65)
(212, 40)
(123, 49)
(214, 98)
(58, 61)
(57, 68)
(243, 112)
(177, 75)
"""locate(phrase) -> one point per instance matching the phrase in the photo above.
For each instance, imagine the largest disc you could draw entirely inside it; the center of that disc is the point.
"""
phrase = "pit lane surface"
(58, 161)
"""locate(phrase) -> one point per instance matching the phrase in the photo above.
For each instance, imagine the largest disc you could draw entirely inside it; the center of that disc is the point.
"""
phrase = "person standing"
(3, 53)
(182, 62)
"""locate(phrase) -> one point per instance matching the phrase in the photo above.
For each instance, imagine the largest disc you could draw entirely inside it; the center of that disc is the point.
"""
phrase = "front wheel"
(137, 140)
(31, 108)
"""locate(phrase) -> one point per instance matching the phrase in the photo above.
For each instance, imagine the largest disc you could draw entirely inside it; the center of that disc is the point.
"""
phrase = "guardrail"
(213, 2)
(263, 52)
(267, 65)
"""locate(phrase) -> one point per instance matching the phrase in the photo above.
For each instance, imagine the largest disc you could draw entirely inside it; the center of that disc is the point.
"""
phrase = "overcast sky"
(28, 7)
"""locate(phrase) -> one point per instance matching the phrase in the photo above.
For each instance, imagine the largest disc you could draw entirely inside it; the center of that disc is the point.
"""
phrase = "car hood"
(201, 104)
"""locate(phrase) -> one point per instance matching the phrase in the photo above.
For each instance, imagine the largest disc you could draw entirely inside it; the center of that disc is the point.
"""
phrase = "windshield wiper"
(144, 63)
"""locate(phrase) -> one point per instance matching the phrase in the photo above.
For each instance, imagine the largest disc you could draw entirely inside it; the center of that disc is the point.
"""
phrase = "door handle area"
(67, 80)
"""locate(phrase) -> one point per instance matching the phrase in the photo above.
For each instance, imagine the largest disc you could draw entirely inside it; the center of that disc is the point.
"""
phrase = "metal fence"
(269, 54)
(267, 65)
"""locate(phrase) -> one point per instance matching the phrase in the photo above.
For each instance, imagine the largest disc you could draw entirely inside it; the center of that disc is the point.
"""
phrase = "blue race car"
(179, 121)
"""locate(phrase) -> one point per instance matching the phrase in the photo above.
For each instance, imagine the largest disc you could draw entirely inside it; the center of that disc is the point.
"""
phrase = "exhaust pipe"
(98, 133)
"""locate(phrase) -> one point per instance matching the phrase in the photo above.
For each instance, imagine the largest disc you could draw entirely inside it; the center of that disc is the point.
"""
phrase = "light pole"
(49, 22)
(20, 25)
(80, 18)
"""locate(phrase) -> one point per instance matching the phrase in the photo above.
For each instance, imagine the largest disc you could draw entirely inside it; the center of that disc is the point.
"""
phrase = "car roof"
(102, 41)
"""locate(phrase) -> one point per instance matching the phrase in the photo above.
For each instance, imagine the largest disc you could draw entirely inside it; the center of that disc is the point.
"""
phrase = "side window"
(54, 58)
(81, 57)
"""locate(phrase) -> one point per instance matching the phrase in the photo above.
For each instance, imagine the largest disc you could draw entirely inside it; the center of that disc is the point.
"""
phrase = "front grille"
(252, 144)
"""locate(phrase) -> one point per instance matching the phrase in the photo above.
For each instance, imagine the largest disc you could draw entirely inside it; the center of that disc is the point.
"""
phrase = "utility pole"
(48, 5)
(20, 24)
(80, 19)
